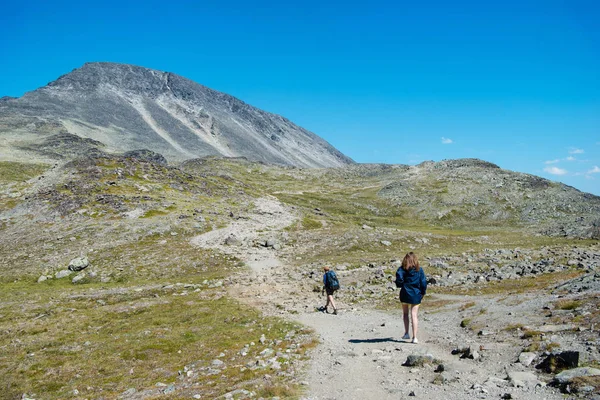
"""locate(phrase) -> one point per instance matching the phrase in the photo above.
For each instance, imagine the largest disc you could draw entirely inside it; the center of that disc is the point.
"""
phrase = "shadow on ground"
(378, 340)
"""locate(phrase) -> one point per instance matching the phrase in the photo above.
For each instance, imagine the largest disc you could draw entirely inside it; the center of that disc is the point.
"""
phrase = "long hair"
(410, 261)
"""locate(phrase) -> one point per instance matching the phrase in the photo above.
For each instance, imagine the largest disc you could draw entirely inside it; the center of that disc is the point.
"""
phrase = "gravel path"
(361, 355)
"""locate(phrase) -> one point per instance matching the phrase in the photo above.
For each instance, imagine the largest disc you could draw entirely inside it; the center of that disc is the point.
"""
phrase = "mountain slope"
(125, 107)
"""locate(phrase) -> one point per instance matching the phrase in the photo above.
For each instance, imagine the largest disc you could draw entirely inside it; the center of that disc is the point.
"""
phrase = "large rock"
(63, 274)
(418, 360)
(523, 379)
(527, 358)
(79, 264)
(568, 375)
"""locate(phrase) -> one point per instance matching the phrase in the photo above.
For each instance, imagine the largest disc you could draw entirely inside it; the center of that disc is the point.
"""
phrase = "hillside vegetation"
(153, 312)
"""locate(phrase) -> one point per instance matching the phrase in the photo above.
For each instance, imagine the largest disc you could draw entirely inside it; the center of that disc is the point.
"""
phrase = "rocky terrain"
(126, 277)
(114, 108)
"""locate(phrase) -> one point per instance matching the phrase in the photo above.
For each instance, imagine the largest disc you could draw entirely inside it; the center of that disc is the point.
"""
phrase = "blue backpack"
(332, 281)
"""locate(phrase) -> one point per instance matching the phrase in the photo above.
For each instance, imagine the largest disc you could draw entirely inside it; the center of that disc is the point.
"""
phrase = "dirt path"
(361, 355)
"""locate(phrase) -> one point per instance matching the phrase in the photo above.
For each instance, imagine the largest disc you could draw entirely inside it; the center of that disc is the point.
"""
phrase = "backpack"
(332, 281)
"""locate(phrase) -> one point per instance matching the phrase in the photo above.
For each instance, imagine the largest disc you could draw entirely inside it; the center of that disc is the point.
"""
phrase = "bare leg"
(330, 301)
(414, 310)
(405, 317)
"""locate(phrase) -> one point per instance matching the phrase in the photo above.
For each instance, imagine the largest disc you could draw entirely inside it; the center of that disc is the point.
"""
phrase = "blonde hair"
(410, 261)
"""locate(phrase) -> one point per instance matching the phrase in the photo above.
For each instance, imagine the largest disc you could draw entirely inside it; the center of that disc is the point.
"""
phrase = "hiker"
(410, 277)
(330, 285)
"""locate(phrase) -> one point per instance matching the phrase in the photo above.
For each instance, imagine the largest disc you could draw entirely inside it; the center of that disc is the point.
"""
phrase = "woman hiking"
(330, 285)
(410, 278)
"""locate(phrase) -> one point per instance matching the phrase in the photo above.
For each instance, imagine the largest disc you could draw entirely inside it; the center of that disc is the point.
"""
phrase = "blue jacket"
(413, 285)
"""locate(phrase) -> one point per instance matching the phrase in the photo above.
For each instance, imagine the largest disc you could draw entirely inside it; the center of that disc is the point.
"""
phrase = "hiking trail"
(361, 355)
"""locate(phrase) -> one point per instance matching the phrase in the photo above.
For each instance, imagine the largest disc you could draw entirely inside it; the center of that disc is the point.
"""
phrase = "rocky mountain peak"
(127, 107)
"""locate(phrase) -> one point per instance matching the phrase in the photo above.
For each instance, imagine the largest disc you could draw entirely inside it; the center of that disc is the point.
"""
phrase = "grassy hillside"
(154, 311)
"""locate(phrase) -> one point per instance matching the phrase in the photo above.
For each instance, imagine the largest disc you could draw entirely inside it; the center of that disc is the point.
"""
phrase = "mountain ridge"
(129, 107)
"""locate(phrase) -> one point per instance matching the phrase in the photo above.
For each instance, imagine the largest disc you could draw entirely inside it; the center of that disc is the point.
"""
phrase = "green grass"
(19, 172)
(567, 304)
(104, 341)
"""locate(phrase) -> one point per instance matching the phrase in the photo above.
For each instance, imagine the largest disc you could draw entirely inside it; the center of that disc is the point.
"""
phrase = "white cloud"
(551, 161)
(595, 170)
(570, 158)
(576, 151)
(555, 171)
(446, 140)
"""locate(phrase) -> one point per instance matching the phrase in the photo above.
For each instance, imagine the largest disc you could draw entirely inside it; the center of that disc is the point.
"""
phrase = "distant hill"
(114, 108)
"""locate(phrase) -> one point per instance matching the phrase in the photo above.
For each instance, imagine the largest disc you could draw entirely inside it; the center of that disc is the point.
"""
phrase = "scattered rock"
(417, 360)
(233, 240)
(78, 264)
(567, 376)
(522, 379)
(217, 363)
(527, 358)
(63, 274)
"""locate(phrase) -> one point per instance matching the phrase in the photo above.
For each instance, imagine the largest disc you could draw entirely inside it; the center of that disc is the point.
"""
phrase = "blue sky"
(516, 83)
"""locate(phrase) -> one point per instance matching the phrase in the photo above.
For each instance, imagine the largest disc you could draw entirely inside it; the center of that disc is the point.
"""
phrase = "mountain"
(114, 108)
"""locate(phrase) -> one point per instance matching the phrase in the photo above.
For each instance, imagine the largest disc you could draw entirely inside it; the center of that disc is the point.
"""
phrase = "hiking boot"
(321, 309)
(406, 336)
(334, 312)
(415, 341)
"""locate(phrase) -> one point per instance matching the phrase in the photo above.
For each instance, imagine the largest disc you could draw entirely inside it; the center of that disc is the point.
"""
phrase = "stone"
(128, 392)
(79, 277)
(417, 360)
(492, 381)
(217, 363)
(42, 278)
(232, 240)
(386, 243)
(568, 375)
(267, 352)
(555, 328)
(63, 274)
(526, 358)
(522, 379)
(169, 389)
(78, 264)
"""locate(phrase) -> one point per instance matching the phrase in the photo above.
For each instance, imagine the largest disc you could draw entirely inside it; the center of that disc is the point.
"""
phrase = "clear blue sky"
(516, 83)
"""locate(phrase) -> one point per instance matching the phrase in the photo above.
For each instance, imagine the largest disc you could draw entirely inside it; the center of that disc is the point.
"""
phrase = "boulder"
(62, 274)
(568, 375)
(232, 240)
(526, 358)
(522, 379)
(79, 277)
(79, 264)
(417, 360)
